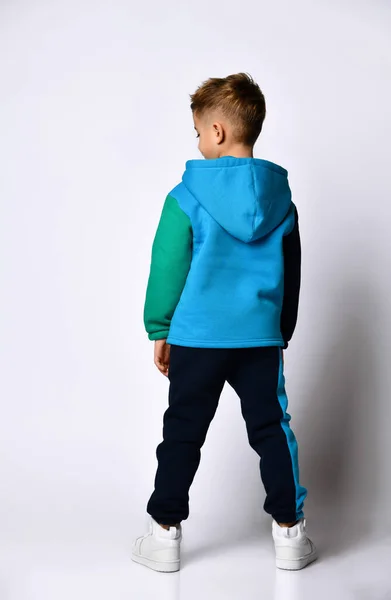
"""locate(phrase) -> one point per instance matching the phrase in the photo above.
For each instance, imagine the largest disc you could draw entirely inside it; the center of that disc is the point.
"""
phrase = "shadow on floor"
(340, 468)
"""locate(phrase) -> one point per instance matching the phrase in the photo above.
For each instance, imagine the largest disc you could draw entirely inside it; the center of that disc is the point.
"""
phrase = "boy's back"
(221, 304)
(232, 215)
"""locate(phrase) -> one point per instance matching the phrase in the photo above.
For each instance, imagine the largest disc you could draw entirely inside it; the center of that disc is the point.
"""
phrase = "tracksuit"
(224, 291)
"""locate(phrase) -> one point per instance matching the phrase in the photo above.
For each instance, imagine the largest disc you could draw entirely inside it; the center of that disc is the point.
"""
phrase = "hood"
(248, 197)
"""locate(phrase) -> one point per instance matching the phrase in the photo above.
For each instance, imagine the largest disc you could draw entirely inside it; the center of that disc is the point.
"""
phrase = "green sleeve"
(171, 259)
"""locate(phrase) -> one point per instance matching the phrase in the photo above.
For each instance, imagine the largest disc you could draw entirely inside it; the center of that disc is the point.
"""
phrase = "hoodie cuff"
(158, 335)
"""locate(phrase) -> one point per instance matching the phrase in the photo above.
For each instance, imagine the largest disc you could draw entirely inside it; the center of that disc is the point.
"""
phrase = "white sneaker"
(294, 550)
(159, 549)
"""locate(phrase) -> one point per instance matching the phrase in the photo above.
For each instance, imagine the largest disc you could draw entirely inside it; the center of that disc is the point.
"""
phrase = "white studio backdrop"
(95, 128)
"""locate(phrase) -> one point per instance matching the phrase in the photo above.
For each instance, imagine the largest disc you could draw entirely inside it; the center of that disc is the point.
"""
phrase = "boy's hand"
(162, 356)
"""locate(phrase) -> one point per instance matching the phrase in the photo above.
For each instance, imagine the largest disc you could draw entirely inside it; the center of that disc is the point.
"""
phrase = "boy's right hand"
(162, 356)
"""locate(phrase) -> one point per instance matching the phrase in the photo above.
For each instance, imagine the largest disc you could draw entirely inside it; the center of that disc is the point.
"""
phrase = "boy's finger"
(163, 367)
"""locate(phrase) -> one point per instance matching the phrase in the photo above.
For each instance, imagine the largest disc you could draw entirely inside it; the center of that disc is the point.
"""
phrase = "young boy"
(221, 305)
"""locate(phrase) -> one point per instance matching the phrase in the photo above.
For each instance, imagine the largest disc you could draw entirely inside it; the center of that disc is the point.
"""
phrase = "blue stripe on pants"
(301, 492)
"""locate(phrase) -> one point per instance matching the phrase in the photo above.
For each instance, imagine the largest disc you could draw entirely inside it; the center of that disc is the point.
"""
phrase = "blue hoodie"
(242, 282)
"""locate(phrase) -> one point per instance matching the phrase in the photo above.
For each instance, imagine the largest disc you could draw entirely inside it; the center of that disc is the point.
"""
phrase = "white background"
(95, 128)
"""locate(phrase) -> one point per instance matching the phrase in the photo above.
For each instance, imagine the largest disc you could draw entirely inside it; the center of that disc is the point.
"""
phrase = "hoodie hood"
(248, 197)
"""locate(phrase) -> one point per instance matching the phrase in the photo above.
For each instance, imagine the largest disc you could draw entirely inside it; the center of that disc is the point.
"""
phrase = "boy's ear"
(219, 132)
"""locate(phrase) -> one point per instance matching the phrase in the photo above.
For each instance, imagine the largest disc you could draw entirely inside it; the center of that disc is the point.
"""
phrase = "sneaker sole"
(161, 567)
(296, 564)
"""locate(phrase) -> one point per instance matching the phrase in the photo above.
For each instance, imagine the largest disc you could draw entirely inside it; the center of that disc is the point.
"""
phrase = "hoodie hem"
(224, 344)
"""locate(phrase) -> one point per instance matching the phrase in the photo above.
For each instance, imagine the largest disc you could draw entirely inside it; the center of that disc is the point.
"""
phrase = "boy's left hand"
(162, 356)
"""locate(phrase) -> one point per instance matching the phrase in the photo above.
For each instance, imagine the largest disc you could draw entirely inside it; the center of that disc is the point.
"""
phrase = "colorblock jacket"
(225, 270)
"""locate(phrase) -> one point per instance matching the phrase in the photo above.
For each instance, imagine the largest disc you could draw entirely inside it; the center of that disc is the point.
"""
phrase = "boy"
(221, 305)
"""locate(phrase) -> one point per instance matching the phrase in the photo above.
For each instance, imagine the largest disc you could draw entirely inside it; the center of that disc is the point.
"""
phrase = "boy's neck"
(238, 151)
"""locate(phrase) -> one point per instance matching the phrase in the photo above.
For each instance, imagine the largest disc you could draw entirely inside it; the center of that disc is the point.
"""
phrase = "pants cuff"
(287, 517)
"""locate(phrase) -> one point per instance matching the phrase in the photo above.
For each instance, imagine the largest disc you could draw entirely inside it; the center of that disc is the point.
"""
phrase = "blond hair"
(239, 99)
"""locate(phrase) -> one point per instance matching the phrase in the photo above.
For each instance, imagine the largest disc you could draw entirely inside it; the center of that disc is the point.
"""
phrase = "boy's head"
(228, 115)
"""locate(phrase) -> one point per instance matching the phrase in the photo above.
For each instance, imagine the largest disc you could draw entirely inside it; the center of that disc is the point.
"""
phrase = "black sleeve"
(292, 274)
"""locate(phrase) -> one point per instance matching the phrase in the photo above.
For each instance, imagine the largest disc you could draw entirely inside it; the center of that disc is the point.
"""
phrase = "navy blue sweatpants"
(197, 377)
